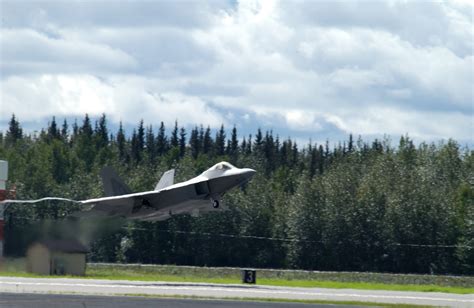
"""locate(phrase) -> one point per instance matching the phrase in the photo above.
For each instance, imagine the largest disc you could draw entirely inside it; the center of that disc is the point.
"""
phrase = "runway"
(16, 300)
(122, 287)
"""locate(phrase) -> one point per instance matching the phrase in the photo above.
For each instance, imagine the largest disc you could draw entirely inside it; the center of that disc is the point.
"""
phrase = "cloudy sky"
(314, 69)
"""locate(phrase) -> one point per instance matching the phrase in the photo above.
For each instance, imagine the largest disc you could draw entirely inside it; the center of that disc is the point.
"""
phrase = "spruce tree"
(141, 136)
(219, 146)
(182, 142)
(258, 143)
(65, 131)
(135, 148)
(138, 142)
(161, 141)
(194, 143)
(207, 141)
(234, 145)
(350, 146)
(101, 133)
(150, 144)
(14, 132)
(53, 131)
(85, 146)
(121, 142)
(174, 136)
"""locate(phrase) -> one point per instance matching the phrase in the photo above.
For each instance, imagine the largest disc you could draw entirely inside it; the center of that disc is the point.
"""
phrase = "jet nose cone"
(249, 172)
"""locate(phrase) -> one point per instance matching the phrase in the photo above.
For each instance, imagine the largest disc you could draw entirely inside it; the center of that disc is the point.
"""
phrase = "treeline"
(356, 206)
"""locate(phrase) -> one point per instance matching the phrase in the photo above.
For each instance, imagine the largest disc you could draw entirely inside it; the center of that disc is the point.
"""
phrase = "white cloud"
(424, 125)
(300, 120)
(109, 13)
(28, 51)
(128, 99)
(323, 68)
(31, 98)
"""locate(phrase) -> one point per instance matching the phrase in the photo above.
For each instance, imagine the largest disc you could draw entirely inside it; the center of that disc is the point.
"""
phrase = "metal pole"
(2, 221)
(3, 196)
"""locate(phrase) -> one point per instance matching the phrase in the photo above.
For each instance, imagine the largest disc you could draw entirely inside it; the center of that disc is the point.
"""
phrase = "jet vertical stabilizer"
(113, 184)
(166, 180)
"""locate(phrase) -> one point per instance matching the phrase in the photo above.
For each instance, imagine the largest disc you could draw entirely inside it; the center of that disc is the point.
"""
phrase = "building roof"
(67, 246)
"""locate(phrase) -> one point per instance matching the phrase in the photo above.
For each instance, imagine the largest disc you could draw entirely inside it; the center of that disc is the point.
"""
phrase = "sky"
(310, 70)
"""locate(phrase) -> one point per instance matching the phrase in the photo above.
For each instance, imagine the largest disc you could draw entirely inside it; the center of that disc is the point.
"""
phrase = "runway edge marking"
(230, 290)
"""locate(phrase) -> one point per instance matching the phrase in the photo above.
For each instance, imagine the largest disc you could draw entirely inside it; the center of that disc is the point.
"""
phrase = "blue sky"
(306, 69)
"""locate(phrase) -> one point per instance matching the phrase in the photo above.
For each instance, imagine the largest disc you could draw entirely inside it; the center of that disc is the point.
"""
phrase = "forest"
(354, 205)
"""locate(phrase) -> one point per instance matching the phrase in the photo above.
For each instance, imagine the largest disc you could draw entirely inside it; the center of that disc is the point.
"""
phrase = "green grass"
(117, 275)
(365, 286)
(335, 280)
(145, 274)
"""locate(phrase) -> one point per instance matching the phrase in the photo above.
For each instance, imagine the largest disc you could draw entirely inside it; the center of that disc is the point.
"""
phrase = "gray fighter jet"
(197, 195)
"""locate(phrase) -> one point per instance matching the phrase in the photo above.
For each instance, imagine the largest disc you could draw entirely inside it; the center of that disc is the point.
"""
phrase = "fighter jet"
(197, 195)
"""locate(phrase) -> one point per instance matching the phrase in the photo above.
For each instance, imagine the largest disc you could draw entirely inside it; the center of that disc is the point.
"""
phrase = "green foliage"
(359, 207)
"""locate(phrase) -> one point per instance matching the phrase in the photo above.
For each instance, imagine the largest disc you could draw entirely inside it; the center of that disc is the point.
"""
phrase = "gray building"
(57, 257)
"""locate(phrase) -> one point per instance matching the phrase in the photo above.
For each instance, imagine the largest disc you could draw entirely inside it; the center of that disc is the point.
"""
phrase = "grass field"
(339, 280)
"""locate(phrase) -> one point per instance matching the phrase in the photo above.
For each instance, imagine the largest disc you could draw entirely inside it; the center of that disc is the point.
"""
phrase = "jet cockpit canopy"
(222, 166)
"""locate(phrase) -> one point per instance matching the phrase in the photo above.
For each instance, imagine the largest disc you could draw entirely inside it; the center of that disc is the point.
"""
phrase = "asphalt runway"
(125, 287)
(16, 300)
